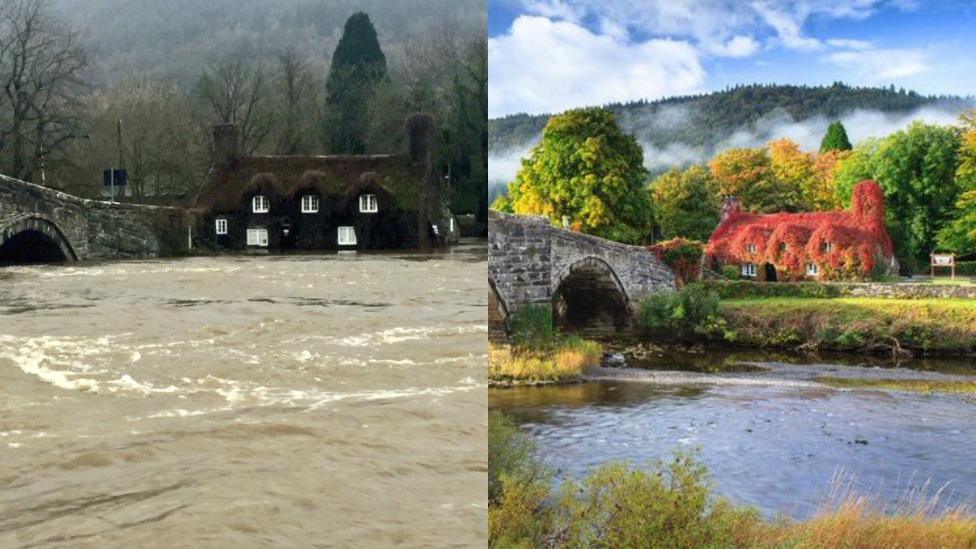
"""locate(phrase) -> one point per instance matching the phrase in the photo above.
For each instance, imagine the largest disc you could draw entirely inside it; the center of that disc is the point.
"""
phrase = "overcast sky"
(549, 55)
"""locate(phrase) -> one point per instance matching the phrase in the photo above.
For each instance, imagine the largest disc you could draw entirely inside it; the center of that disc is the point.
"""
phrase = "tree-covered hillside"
(704, 121)
(174, 39)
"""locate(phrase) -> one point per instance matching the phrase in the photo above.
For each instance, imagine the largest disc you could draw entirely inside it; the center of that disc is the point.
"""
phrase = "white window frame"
(749, 269)
(257, 236)
(751, 247)
(260, 204)
(828, 247)
(813, 269)
(220, 226)
(450, 223)
(368, 203)
(343, 236)
(310, 203)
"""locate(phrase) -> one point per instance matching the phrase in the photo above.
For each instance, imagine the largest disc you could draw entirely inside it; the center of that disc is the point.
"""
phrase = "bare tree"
(295, 87)
(40, 83)
(237, 94)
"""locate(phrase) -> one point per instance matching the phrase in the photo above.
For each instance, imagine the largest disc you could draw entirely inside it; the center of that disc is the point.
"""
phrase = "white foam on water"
(37, 357)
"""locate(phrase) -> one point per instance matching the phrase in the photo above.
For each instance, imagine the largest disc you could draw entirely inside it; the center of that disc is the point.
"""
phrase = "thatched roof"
(286, 176)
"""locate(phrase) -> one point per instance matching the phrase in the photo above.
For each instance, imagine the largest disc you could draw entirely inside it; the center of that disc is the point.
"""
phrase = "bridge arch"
(497, 313)
(34, 238)
(589, 296)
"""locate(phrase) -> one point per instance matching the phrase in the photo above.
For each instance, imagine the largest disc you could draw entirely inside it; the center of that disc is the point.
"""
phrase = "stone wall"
(638, 269)
(528, 258)
(905, 290)
(519, 257)
(96, 229)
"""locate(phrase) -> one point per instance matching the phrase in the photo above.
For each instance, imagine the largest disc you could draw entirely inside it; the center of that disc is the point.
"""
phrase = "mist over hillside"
(173, 39)
(684, 130)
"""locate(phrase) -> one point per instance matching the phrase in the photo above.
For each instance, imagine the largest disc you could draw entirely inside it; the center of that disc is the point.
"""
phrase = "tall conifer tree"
(358, 64)
(836, 138)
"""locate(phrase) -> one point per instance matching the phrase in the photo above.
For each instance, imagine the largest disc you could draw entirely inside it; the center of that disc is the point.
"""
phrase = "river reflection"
(782, 448)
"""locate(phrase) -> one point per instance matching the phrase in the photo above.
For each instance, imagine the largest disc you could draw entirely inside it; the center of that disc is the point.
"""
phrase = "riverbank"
(852, 324)
(562, 361)
(672, 504)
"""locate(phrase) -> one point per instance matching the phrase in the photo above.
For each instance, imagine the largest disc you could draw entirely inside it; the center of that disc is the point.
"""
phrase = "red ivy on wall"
(844, 245)
(683, 256)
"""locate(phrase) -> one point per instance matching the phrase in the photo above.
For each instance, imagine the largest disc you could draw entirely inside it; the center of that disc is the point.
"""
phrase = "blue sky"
(550, 55)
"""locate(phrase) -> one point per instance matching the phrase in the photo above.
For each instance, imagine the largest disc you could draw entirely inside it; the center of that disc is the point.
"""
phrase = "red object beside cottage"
(841, 245)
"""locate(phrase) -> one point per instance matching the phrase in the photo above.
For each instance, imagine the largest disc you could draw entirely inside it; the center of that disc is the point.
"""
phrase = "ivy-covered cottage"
(337, 202)
(839, 245)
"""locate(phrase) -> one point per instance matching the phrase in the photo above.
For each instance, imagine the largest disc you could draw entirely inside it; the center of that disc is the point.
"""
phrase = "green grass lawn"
(848, 323)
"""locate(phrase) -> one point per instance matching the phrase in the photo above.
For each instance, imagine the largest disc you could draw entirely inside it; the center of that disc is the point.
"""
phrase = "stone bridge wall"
(96, 229)
(639, 271)
(528, 258)
(519, 257)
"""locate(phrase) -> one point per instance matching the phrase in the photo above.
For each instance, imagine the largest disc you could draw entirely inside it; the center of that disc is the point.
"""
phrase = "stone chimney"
(226, 145)
(420, 138)
(730, 207)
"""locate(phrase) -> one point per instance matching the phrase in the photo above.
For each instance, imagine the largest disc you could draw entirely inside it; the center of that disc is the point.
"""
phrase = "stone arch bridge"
(42, 225)
(592, 284)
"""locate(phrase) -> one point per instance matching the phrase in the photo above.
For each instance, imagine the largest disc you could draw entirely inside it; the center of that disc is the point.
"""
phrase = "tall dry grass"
(566, 361)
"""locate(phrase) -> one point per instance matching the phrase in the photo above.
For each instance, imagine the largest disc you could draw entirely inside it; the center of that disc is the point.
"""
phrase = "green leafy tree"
(586, 170)
(358, 65)
(916, 167)
(749, 175)
(835, 139)
(685, 204)
(960, 235)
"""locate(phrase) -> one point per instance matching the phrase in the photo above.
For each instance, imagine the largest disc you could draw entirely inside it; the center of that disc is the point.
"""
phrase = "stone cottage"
(328, 202)
(837, 245)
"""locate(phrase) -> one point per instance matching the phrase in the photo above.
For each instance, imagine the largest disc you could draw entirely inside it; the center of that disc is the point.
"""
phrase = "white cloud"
(880, 64)
(738, 46)
(849, 44)
(544, 66)
(715, 25)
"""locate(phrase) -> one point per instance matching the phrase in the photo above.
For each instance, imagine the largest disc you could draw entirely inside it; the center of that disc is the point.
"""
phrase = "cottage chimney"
(730, 207)
(420, 138)
(226, 145)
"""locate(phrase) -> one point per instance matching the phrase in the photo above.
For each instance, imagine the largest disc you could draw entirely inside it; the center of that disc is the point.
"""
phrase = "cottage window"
(828, 247)
(221, 226)
(751, 248)
(368, 204)
(260, 204)
(347, 236)
(257, 237)
(813, 269)
(310, 204)
(749, 269)
(450, 224)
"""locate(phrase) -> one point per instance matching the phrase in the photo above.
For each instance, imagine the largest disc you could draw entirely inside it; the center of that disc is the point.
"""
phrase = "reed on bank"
(671, 504)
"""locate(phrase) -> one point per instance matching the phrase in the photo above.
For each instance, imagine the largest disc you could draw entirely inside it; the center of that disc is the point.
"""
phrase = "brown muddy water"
(245, 401)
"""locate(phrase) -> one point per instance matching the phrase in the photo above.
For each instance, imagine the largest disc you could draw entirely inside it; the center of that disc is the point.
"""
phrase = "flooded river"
(769, 435)
(313, 400)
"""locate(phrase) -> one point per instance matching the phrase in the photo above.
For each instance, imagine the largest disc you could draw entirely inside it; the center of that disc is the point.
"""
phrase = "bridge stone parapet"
(90, 229)
(531, 262)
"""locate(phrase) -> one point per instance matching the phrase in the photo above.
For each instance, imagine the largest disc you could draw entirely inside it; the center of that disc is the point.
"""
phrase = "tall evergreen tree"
(358, 64)
(836, 138)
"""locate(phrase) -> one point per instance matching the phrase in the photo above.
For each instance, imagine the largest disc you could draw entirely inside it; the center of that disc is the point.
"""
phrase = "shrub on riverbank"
(672, 505)
(540, 354)
(853, 324)
(691, 310)
(560, 361)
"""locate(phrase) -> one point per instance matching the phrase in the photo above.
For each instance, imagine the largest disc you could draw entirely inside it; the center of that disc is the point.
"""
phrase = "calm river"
(245, 401)
(771, 438)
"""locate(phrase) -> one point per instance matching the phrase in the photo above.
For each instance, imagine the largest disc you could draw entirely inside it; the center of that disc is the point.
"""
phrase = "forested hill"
(175, 39)
(705, 121)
